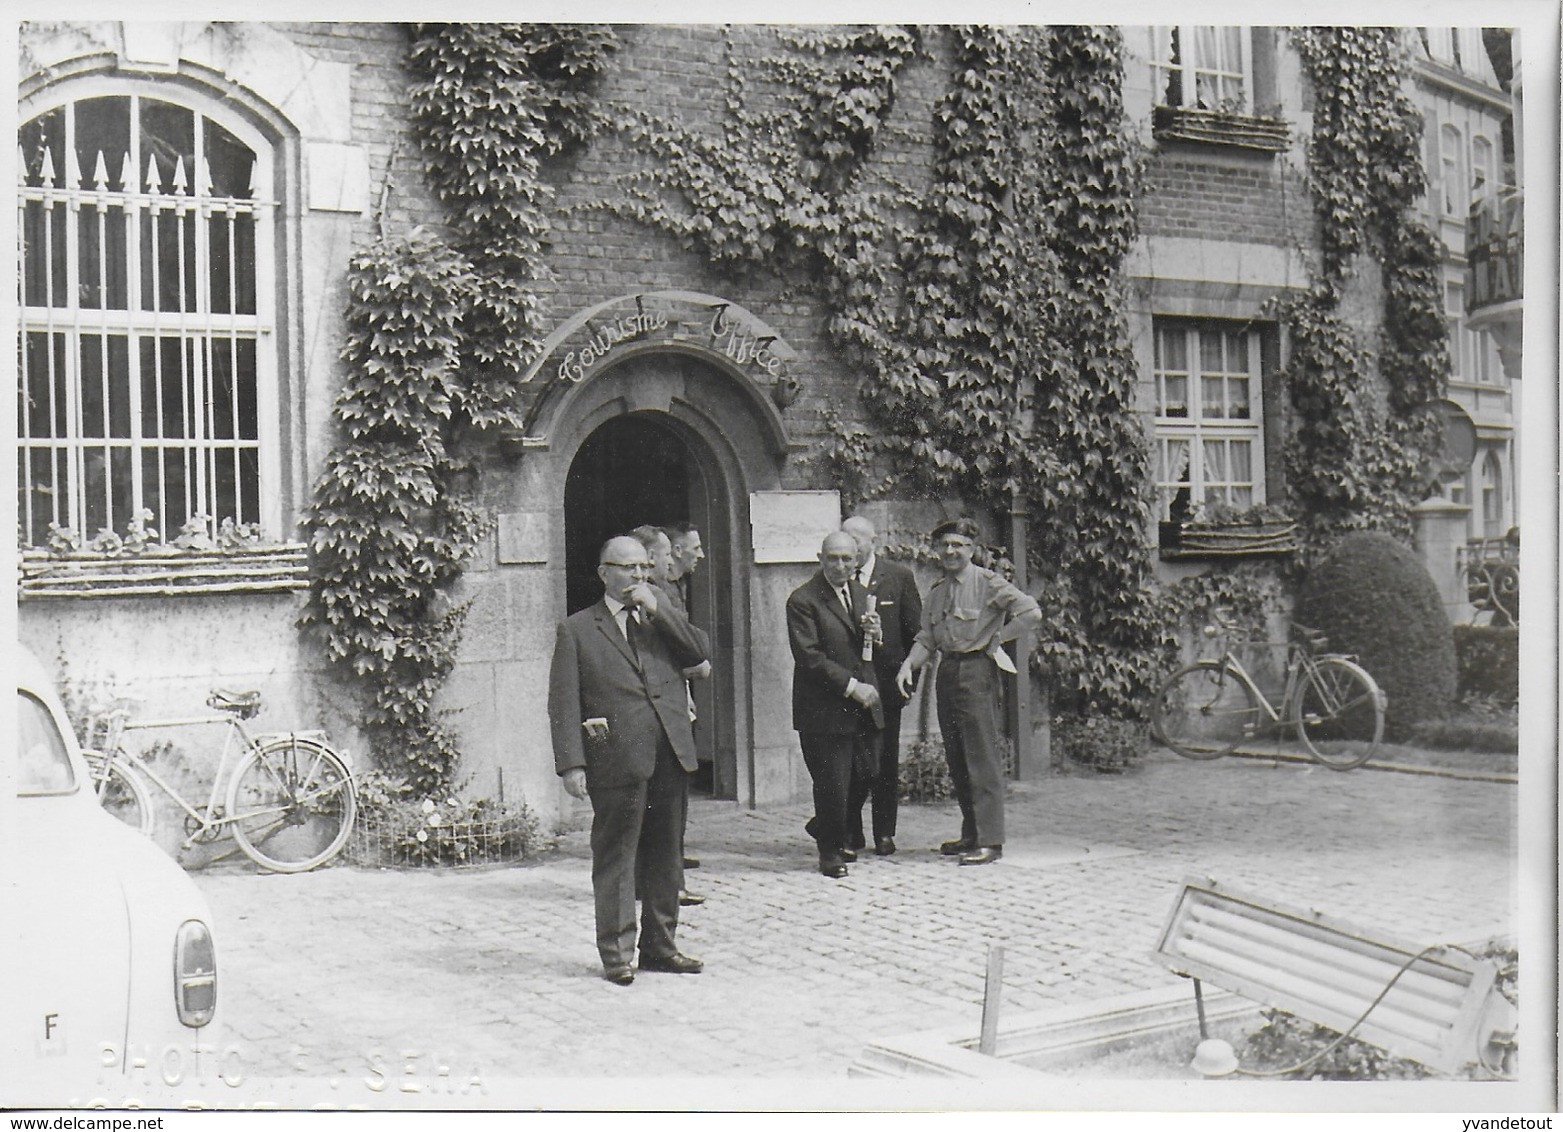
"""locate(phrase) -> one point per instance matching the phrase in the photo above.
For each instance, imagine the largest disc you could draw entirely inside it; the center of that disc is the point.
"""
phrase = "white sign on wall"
(788, 526)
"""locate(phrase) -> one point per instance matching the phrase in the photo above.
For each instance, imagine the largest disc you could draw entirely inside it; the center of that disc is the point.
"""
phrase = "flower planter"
(1212, 127)
(392, 841)
(1227, 540)
(162, 571)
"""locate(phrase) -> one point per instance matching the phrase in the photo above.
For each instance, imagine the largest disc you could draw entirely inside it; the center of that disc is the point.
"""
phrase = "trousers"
(637, 848)
(966, 692)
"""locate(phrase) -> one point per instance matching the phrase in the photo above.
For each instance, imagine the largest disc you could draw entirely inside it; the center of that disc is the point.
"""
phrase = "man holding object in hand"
(836, 708)
(619, 716)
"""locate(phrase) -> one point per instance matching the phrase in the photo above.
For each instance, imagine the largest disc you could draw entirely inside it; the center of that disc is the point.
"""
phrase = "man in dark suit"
(658, 542)
(835, 693)
(892, 590)
(619, 715)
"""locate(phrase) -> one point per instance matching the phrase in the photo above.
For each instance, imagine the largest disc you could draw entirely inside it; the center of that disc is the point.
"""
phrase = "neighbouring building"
(190, 195)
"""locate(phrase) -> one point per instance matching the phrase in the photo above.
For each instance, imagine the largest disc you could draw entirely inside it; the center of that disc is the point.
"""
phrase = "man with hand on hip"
(970, 613)
(618, 712)
(835, 694)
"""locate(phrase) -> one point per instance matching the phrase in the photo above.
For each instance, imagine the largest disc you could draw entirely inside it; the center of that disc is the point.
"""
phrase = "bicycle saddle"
(244, 704)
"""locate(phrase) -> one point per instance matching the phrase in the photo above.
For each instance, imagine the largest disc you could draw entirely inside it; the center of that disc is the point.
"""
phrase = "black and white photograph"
(724, 559)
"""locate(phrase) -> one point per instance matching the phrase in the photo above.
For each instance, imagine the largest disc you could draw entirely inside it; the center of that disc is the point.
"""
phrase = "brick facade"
(1223, 232)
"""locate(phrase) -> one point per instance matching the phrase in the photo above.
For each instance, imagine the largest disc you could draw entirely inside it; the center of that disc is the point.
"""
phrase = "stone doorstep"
(1101, 1025)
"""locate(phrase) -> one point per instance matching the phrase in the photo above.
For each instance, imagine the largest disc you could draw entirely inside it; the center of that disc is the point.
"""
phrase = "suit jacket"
(827, 646)
(900, 607)
(674, 594)
(595, 674)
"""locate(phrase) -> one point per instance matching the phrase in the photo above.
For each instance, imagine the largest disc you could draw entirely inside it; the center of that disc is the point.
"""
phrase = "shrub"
(1373, 598)
(924, 773)
(1487, 659)
(396, 829)
(1108, 746)
(1479, 724)
(1285, 1041)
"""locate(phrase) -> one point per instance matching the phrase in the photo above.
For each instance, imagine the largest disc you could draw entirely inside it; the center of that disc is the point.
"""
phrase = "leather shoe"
(884, 846)
(855, 841)
(848, 855)
(691, 862)
(984, 856)
(690, 899)
(619, 976)
(676, 964)
(956, 848)
(835, 870)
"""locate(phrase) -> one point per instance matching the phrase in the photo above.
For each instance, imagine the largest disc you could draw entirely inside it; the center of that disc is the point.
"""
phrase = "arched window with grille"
(147, 353)
(1493, 525)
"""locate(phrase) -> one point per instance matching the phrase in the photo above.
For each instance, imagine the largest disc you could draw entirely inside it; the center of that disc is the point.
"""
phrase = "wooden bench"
(1441, 1009)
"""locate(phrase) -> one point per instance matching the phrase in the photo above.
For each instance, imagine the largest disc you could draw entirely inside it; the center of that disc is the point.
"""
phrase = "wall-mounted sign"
(1495, 253)
(788, 526)
(583, 345)
(522, 537)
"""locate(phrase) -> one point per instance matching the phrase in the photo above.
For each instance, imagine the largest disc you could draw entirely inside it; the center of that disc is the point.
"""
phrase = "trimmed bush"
(1373, 598)
(1108, 746)
(1488, 661)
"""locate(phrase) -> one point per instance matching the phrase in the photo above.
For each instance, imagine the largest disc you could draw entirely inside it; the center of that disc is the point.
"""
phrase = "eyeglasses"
(633, 567)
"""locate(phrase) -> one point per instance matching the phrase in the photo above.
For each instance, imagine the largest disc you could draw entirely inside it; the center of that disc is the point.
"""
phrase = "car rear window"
(45, 764)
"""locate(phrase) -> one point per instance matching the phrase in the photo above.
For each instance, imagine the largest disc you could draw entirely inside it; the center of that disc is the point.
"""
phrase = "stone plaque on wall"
(523, 537)
(788, 526)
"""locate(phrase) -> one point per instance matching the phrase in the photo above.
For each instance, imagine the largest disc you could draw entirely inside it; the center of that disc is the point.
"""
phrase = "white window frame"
(1191, 65)
(1452, 164)
(1195, 431)
(1484, 170)
(1492, 499)
(206, 329)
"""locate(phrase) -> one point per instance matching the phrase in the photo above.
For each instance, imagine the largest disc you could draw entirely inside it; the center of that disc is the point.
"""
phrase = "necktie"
(631, 631)
(845, 594)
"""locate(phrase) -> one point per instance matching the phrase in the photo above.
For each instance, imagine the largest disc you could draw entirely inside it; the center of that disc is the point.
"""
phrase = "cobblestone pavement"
(493, 971)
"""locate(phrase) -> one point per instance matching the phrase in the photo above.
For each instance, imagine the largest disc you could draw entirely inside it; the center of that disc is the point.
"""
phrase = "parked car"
(110, 973)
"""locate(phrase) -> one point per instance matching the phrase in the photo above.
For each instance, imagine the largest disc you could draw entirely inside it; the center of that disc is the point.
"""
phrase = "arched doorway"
(646, 467)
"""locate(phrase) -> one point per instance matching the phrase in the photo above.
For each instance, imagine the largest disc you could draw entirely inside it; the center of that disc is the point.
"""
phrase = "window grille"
(1209, 434)
(147, 366)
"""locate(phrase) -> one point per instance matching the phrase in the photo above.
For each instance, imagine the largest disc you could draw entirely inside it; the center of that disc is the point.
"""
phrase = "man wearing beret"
(968, 615)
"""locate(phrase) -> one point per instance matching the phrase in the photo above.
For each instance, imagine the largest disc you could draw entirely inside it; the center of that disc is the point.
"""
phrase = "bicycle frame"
(1301, 661)
(231, 753)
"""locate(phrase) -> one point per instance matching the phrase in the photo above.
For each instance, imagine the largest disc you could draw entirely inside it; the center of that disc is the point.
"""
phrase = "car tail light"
(195, 973)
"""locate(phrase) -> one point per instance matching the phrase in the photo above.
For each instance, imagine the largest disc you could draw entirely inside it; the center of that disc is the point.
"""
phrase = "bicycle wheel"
(120, 791)
(1205, 711)
(1339, 712)
(291, 804)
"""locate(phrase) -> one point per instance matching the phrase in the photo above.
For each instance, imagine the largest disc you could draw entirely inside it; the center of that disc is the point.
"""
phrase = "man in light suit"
(892, 590)
(835, 692)
(619, 715)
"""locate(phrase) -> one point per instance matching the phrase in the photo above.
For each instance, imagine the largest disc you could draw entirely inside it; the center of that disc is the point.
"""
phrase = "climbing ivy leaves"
(982, 302)
(438, 335)
(1360, 449)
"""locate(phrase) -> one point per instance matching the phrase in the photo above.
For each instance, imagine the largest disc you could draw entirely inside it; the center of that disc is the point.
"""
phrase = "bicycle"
(1209, 708)
(290, 800)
